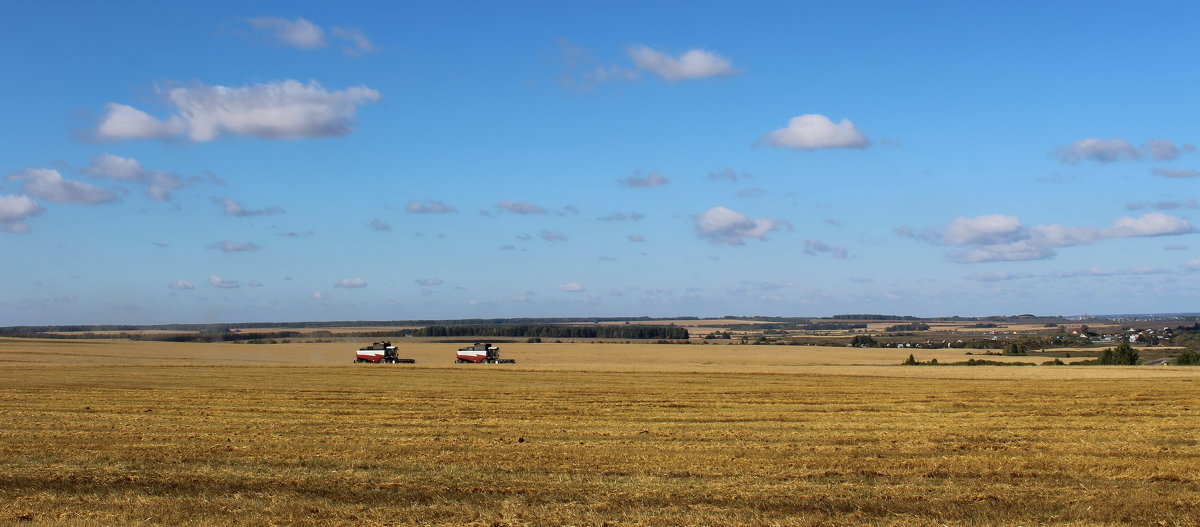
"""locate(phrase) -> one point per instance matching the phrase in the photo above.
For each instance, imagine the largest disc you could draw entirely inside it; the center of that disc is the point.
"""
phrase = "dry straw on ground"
(321, 444)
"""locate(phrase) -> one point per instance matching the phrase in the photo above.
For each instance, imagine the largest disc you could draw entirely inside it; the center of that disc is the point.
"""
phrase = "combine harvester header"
(380, 353)
(482, 353)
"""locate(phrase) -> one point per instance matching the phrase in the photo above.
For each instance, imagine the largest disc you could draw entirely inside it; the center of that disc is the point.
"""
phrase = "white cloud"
(122, 122)
(1164, 205)
(997, 276)
(725, 226)
(636, 238)
(1176, 173)
(115, 167)
(1099, 150)
(298, 33)
(987, 229)
(621, 216)
(582, 73)
(47, 184)
(1003, 238)
(1163, 150)
(159, 184)
(351, 283)
(279, 110)
(571, 287)
(254, 283)
(520, 207)
(359, 43)
(14, 209)
(433, 207)
(692, 64)
(380, 225)
(813, 247)
(1110, 150)
(217, 281)
(428, 282)
(234, 208)
(654, 179)
(318, 296)
(180, 285)
(553, 236)
(815, 131)
(233, 247)
(1193, 265)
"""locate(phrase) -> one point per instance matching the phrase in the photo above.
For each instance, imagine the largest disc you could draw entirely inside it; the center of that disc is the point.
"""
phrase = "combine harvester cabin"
(482, 353)
(380, 353)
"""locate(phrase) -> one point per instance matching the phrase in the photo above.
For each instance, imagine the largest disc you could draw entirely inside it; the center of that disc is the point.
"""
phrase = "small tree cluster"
(863, 341)
(1122, 355)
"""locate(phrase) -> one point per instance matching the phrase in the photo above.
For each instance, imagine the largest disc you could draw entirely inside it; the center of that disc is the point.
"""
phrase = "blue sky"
(171, 162)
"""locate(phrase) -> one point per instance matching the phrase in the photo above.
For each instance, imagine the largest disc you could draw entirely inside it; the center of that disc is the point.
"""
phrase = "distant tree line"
(873, 317)
(627, 331)
(915, 326)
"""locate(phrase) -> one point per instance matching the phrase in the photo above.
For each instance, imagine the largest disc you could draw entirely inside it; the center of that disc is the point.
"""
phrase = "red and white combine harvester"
(380, 353)
(482, 353)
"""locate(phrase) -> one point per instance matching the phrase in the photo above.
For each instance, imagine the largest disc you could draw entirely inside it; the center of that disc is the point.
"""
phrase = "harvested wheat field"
(322, 444)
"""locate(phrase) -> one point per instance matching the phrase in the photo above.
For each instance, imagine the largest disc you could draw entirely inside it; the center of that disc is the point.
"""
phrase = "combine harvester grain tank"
(481, 353)
(380, 353)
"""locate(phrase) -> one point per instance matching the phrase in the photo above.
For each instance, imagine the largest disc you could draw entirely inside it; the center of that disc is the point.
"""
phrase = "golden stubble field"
(148, 441)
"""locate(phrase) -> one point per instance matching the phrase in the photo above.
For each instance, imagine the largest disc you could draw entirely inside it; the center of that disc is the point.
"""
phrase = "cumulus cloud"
(279, 110)
(1163, 150)
(813, 247)
(432, 207)
(380, 225)
(729, 174)
(351, 283)
(217, 281)
(724, 226)
(520, 207)
(995, 237)
(621, 216)
(815, 131)
(47, 184)
(181, 285)
(297, 33)
(692, 64)
(318, 296)
(1176, 173)
(1164, 205)
(159, 184)
(1099, 150)
(636, 238)
(654, 179)
(233, 247)
(1110, 150)
(1193, 265)
(14, 209)
(234, 208)
(571, 287)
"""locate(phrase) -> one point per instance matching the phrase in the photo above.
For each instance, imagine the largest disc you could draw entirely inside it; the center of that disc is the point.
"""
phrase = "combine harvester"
(380, 353)
(482, 353)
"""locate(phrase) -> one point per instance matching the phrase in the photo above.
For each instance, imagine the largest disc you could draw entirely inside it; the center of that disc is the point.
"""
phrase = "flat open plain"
(128, 433)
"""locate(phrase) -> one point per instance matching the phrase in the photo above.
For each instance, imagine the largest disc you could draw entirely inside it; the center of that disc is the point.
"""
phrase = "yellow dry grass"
(564, 438)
